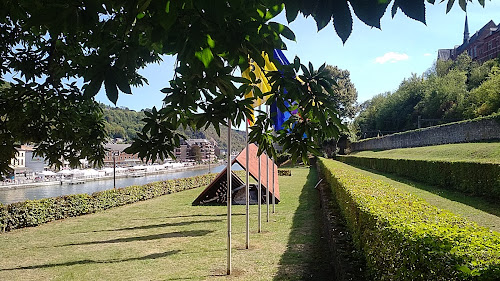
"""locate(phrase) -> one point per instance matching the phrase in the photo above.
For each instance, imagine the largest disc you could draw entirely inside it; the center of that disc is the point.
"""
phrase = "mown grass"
(487, 152)
(480, 210)
(168, 239)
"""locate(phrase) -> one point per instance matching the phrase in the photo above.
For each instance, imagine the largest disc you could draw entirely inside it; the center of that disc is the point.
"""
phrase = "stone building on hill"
(481, 46)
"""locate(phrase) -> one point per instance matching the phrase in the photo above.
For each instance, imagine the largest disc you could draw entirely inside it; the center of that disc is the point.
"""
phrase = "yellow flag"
(260, 74)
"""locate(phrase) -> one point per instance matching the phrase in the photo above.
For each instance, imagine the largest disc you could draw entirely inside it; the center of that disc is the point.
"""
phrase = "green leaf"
(463, 4)
(283, 30)
(111, 90)
(167, 7)
(394, 9)
(414, 9)
(449, 5)
(342, 21)
(210, 41)
(292, 10)
(370, 12)
(305, 71)
(240, 80)
(323, 14)
(122, 81)
(296, 63)
(205, 56)
(93, 87)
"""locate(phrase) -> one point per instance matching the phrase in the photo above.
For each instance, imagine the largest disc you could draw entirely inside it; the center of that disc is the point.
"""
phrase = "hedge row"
(405, 238)
(286, 173)
(481, 179)
(36, 212)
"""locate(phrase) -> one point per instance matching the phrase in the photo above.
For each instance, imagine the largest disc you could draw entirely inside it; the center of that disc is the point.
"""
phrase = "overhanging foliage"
(49, 45)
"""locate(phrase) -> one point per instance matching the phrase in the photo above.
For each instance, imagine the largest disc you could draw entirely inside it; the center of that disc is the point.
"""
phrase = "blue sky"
(378, 60)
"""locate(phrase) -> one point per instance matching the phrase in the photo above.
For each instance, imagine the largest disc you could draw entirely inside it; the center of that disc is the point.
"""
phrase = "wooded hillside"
(449, 91)
(125, 123)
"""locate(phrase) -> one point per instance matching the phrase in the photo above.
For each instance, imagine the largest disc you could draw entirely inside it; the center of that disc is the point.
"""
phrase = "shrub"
(470, 177)
(405, 238)
(36, 212)
(285, 173)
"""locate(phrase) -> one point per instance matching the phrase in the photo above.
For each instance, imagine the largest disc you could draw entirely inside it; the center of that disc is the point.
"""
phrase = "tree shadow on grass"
(190, 216)
(307, 256)
(82, 262)
(188, 233)
(160, 225)
(481, 203)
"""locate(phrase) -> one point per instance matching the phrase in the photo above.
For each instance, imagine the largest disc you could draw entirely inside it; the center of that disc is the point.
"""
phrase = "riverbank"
(121, 175)
(12, 195)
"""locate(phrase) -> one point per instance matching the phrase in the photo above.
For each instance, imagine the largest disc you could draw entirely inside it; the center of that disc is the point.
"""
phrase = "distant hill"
(124, 123)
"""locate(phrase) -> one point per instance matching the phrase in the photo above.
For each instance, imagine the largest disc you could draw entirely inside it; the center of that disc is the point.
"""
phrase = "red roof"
(253, 171)
(253, 164)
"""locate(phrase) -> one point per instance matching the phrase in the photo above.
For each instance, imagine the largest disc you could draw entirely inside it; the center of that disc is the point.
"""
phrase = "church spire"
(466, 31)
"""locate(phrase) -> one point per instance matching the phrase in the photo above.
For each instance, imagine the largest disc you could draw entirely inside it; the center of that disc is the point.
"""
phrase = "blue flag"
(278, 117)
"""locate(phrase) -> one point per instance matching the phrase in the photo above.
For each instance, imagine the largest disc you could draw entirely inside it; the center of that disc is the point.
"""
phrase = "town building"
(34, 164)
(121, 158)
(481, 46)
(18, 164)
(198, 150)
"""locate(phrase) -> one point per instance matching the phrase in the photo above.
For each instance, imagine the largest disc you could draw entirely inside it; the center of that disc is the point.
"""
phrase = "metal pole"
(247, 191)
(114, 171)
(259, 193)
(229, 197)
(267, 176)
(274, 196)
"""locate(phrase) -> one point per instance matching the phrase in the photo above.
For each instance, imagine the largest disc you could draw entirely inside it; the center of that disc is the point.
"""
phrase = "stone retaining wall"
(480, 129)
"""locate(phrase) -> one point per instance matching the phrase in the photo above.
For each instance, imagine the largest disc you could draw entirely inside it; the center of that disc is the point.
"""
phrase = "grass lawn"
(168, 239)
(488, 152)
(480, 210)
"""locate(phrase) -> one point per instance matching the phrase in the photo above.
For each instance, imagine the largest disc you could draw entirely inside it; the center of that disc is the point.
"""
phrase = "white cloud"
(391, 57)
(427, 55)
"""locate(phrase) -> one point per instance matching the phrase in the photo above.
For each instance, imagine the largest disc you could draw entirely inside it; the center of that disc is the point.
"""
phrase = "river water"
(11, 195)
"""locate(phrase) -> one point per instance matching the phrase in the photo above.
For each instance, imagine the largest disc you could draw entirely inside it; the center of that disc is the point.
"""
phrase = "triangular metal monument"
(215, 192)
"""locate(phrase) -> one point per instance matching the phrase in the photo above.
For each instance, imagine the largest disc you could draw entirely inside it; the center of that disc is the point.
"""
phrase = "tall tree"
(345, 94)
(52, 44)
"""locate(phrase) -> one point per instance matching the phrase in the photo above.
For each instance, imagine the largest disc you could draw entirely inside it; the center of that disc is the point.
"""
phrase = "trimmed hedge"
(36, 212)
(405, 238)
(475, 178)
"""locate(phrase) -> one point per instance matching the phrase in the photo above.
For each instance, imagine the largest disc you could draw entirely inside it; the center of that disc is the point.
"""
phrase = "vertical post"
(114, 171)
(274, 197)
(267, 188)
(267, 176)
(229, 196)
(259, 193)
(209, 158)
(247, 191)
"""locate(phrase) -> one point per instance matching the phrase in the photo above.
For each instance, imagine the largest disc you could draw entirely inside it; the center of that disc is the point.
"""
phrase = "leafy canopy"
(50, 45)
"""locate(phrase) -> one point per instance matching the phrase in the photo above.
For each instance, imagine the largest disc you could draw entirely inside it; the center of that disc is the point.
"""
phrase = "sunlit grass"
(168, 239)
(488, 152)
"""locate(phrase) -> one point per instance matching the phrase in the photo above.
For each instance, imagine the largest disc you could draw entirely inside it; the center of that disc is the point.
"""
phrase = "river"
(11, 195)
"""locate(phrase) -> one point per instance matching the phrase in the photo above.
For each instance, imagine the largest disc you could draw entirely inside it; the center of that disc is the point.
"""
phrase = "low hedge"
(405, 238)
(287, 173)
(36, 212)
(475, 178)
